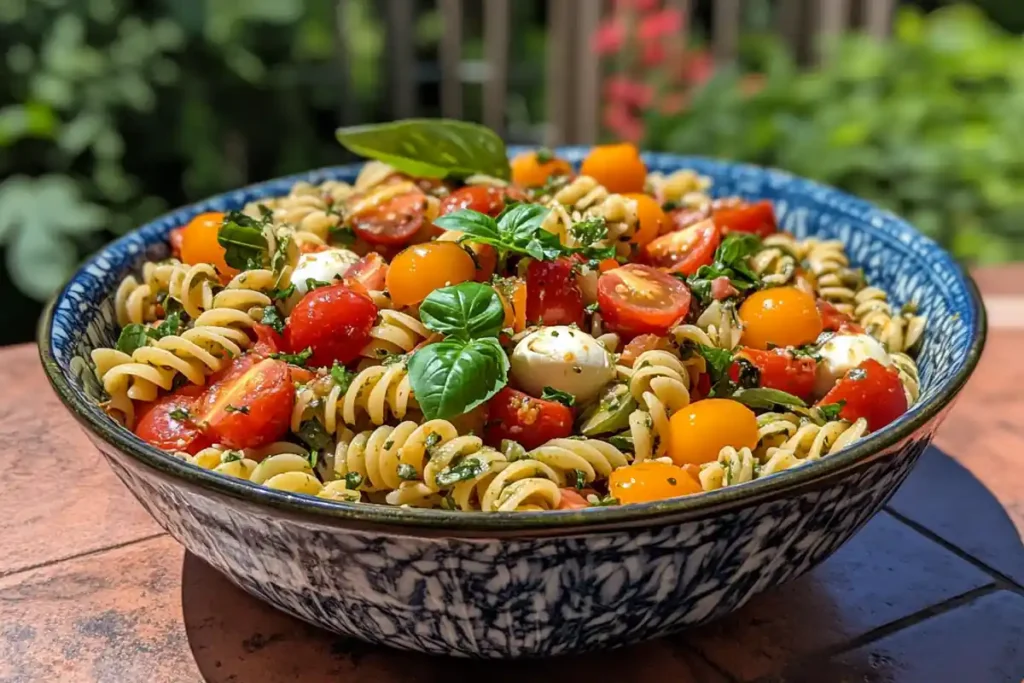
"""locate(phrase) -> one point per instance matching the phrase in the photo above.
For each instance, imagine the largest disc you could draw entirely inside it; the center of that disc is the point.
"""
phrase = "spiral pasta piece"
(837, 283)
(375, 394)
(660, 383)
(722, 325)
(684, 188)
(395, 332)
(813, 441)
(376, 456)
(585, 198)
(909, 375)
(732, 467)
(898, 331)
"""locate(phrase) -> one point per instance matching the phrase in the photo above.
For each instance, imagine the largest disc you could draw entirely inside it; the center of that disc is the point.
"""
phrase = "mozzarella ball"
(324, 266)
(563, 358)
(842, 353)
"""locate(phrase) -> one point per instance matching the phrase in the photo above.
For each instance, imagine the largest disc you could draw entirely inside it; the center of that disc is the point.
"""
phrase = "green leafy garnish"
(830, 411)
(342, 376)
(245, 247)
(313, 283)
(299, 358)
(244, 410)
(407, 472)
(605, 501)
(272, 318)
(544, 155)
(552, 394)
(280, 258)
(766, 399)
(455, 376)
(169, 327)
(731, 262)
(517, 230)
(430, 148)
(343, 235)
(313, 434)
(282, 294)
(467, 468)
(589, 231)
(230, 456)
(132, 337)
(579, 479)
(624, 442)
(353, 480)
(464, 311)
(181, 415)
(314, 457)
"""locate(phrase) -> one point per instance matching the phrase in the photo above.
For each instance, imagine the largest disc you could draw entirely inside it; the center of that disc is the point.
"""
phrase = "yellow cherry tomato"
(199, 242)
(618, 167)
(699, 431)
(780, 316)
(652, 220)
(532, 169)
(650, 480)
(419, 270)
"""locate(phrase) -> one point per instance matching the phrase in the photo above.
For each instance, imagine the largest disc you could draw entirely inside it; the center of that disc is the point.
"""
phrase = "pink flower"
(629, 92)
(624, 123)
(636, 5)
(698, 68)
(660, 24)
(609, 37)
(653, 54)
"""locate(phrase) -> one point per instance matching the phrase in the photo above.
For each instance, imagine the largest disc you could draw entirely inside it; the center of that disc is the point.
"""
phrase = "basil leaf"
(313, 434)
(245, 247)
(589, 231)
(452, 377)
(624, 442)
(430, 148)
(132, 337)
(463, 471)
(830, 411)
(767, 399)
(551, 394)
(522, 221)
(730, 261)
(272, 317)
(464, 311)
(469, 222)
(169, 327)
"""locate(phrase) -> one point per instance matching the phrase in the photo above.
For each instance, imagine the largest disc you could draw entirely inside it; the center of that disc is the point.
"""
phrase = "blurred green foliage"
(927, 124)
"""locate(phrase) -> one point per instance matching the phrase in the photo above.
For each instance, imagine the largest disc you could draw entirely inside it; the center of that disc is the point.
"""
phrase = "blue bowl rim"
(416, 521)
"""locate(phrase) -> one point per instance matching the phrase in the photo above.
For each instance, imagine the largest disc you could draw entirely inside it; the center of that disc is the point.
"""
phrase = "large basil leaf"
(430, 148)
(464, 311)
(451, 378)
(469, 222)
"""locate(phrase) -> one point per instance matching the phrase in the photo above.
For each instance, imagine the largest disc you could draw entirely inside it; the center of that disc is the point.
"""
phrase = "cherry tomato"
(513, 299)
(170, 422)
(638, 299)
(422, 268)
(552, 295)
(529, 421)
(702, 429)
(370, 272)
(682, 218)
(651, 220)
(778, 369)
(485, 257)
(268, 341)
(649, 481)
(252, 409)
(391, 221)
(871, 391)
(199, 243)
(834, 320)
(572, 500)
(488, 200)
(532, 169)
(177, 238)
(641, 344)
(684, 251)
(780, 316)
(310, 248)
(607, 264)
(333, 321)
(702, 389)
(617, 166)
(757, 218)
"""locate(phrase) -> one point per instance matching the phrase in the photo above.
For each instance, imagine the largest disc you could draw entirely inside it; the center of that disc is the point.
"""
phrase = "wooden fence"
(573, 71)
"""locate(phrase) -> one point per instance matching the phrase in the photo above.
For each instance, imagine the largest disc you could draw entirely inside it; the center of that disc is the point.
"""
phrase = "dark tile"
(886, 572)
(981, 642)
(944, 497)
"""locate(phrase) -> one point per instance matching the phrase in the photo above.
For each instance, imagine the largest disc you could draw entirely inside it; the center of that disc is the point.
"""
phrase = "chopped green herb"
(314, 457)
(551, 394)
(230, 456)
(282, 294)
(605, 501)
(244, 410)
(342, 376)
(389, 444)
(766, 399)
(180, 414)
(432, 440)
(592, 308)
(245, 246)
(731, 261)
(590, 231)
(280, 258)
(624, 442)
(407, 472)
(830, 411)
(545, 155)
(579, 479)
(343, 235)
(857, 374)
(469, 468)
(272, 318)
(313, 283)
(353, 480)
(313, 434)
(132, 337)
(299, 358)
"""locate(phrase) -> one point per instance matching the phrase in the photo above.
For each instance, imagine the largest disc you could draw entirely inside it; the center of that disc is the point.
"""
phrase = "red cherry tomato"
(488, 200)
(333, 321)
(527, 420)
(370, 272)
(552, 295)
(638, 299)
(177, 238)
(684, 251)
(267, 341)
(641, 344)
(680, 219)
(573, 499)
(393, 221)
(834, 320)
(757, 218)
(871, 391)
(778, 369)
(250, 409)
(170, 422)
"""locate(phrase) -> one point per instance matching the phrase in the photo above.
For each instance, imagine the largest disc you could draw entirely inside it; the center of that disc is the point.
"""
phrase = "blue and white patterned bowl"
(547, 583)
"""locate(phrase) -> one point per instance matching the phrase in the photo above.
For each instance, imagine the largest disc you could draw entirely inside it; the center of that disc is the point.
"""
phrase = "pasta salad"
(458, 331)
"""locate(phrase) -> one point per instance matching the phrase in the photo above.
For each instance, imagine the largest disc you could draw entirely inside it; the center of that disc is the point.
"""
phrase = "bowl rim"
(417, 521)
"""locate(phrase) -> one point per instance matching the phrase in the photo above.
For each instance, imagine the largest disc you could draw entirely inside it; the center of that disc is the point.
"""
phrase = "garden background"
(113, 111)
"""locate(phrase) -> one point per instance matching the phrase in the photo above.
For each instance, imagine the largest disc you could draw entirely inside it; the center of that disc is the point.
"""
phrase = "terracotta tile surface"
(981, 642)
(61, 497)
(886, 572)
(1000, 280)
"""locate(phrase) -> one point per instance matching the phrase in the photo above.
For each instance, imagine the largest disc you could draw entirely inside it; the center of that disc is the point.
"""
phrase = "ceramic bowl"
(546, 583)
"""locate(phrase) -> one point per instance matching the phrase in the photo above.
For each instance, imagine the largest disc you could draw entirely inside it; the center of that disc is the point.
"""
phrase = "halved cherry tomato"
(532, 169)
(780, 316)
(637, 299)
(422, 268)
(199, 243)
(572, 500)
(651, 220)
(871, 391)
(684, 251)
(333, 321)
(702, 429)
(250, 410)
(649, 481)
(682, 218)
(176, 239)
(552, 295)
(513, 299)
(757, 218)
(370, 272)
(834, 320)
(268, 341)
(485, 199)
(170, 422)
(778, 369)
(393, 220)
(527, 420)
(641, 344)
(702, 389)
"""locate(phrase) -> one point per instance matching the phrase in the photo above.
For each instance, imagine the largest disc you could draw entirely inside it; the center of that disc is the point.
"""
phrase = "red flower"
(653, 54)
(609, 37)
(619, 119)
(629, 92)
(673, 103)
(698, 68)
(660, 24)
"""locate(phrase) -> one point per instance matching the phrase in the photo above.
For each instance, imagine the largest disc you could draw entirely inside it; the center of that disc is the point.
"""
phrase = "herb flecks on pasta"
(453, 330)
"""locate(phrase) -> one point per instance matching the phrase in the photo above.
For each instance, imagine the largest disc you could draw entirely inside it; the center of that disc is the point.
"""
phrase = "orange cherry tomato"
(780, 316)
(701, 430)
(618, 167)
(652, 220)
(637, 299)
(871, 391)
(684, 251)
(651, 480)
(532, 169)
(422, 268)
(607, 264)
(170, 422)
(572, 500)
(199, 243)
(249, 410)
(485, 257)
(513, 299)
(757, 218)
